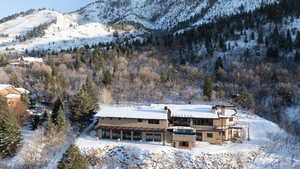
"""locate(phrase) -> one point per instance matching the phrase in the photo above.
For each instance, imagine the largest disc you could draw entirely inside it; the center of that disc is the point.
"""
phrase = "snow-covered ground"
(64, 33)
(95, 23)
(268, 146)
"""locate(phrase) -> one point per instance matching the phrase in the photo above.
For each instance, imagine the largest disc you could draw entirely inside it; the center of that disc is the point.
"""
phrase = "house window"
(140, 120)
(231, 119)
(183, 144)
(153, 121)
(210, 135)
(203, 122)
(181, 122)
(222, 133)
(199, 136)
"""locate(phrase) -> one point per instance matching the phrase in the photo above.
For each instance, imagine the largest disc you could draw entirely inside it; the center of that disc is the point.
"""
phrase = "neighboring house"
(14, 98)
(26, 61)
(180, 125)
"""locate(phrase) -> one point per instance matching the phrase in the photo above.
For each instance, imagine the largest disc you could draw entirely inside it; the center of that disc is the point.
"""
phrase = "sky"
(9, 7)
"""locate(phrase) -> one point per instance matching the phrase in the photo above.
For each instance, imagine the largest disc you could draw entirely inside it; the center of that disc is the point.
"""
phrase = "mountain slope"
(97, 22)
(164, 14)
(62, 32)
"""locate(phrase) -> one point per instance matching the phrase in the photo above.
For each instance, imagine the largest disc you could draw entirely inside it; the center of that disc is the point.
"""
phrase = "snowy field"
(269, 146)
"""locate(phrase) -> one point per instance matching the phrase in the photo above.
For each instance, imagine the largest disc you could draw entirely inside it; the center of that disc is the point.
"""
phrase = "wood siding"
(122, 122)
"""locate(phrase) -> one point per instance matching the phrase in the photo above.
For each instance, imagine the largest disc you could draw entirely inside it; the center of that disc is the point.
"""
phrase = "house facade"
(129, 123)
(179, 125)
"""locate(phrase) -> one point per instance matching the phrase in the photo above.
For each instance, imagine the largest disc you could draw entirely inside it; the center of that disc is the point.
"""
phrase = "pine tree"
(246, 100)
(297, 57)
(260, 39)
(297, 41)
(60, 121)
(252, 36)
(90, 89)
(58, 105)
(219, 64)
(208, 87)
(72, 159)
(273, 55)
(289, 41)
(82, 107)
(10, 134)
(107, 78)
(14, 80)
(50, 127)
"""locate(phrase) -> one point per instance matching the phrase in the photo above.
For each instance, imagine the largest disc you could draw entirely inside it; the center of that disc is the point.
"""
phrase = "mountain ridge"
(95, 23)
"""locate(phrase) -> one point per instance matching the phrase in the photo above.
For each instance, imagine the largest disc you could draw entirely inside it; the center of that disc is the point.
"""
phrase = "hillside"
(46, 29)
(97, 22)
(269, 146)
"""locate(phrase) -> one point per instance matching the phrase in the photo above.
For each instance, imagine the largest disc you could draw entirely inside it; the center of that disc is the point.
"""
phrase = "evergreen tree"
(289, 41)
(82, 107)
(208, 87)
(107, 78)
(14, 80)
(90, 89)
(297, 42)
(297, 57)
(58, 105)
(246, 100)
(219, 64)
(222, 44)
(50, 126)
(10, 134)
(273, 55)
(260, 38)
(221, 74)
(72, 159)
(252, 36)
(60, 121)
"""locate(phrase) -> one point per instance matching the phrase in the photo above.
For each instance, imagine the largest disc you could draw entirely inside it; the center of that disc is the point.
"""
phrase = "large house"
(180, 125)
(14, 98)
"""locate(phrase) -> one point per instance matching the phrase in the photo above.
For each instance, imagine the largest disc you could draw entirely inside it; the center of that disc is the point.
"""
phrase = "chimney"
(168, 112)
(220, 109)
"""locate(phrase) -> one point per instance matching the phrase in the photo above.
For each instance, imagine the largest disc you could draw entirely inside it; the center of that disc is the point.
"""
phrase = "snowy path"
(71, 139)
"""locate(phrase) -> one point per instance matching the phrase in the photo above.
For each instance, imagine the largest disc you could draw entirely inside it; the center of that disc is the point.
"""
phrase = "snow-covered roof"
(4, 86)
(132, 112)
(13, 96)
(31, 59)
(156, 111)
(228, 113)
(192, 111)
(23, 91)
